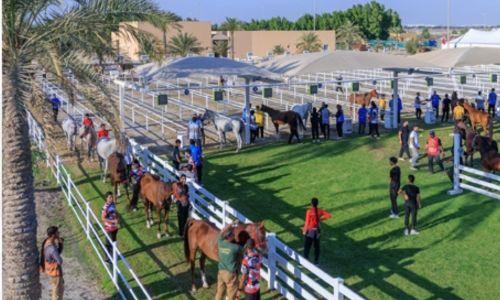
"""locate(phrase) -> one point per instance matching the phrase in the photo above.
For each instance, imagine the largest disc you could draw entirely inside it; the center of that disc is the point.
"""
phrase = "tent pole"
(247, 110)
(394, 107)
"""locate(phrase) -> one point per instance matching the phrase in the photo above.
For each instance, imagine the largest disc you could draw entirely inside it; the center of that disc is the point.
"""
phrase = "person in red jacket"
(434, 151)
(103, 132)
(311, 229)
(87, 123)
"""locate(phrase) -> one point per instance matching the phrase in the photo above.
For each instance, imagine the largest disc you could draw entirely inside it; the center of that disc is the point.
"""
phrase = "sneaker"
(414, 232)
(406, 232)
(413, 169)
(401, 159)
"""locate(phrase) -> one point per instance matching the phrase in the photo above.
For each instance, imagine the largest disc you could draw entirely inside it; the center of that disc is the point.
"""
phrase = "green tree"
(36, 36)
(348, 35)
(309, 42)
(183, 44)
(231, 25)
(220, 48)
(411, 46)
(426, 33)
(396, 31)
(165, 22)
(278, 50)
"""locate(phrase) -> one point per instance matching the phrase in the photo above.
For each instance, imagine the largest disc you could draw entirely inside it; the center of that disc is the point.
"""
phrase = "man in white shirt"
(480, 101)
(194, 129)
(414, 147)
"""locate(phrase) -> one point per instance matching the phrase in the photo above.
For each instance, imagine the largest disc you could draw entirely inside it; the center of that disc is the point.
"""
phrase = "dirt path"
(79, 283)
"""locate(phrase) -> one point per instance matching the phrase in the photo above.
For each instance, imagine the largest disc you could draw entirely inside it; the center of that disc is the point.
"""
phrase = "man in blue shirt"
(56, 103)
(492, 102)
(196, 155)
(362, 112)
(435, 102)
(400, 106)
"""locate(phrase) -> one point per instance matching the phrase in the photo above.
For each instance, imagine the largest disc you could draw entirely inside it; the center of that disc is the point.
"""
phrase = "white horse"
(106, 147)
(224, 124)
(303, 110)
(70, 128)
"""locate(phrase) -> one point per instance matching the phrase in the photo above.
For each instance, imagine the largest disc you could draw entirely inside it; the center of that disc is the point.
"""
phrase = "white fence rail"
(118, 266)
(472, 179)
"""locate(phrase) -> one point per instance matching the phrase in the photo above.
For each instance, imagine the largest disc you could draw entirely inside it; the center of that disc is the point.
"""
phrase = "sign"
(313, 89)
(267, 92)
(429, 81)
(393, 84)
(355, 86)
(218, 95)
(494, 78)
(463, 79)
(162, 99)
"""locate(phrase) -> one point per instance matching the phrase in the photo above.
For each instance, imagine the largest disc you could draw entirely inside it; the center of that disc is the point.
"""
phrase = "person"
(202, 129)
(362, 112)
(312, 228)
(183, 205)
(479, 101)
(56, 104)
(136, 173)
(454, 100)
(109, 217)
(250, 271)
(176, 154)
(373, 119)
(196, 156)
(418, 106)
(435, 102)
(446, 109)
(244, 112)
(434, 151)
(399, 106)
(194, 129)
(411, 194)
(414, 147)
(381, 104)
(325, 120)
(259, 119)
(51, 261)
(339, 87)
(458, 112)
(254, 128)
(87, 123)
(394, 185)
(315, 123)
(229, 254)
(339, 117)
(492, 102)
(404, 136)
(102, 133)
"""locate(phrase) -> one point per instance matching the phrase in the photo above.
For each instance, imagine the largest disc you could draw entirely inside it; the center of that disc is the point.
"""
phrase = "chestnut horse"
(488, 148)
(364, 98)
(157, 193)
(293, 119)
(117, 173)
(478, 117)
(203, 235)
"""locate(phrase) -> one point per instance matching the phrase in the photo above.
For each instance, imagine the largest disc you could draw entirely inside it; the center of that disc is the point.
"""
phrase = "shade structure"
(310, 63)
(461, 57)
(476, 38)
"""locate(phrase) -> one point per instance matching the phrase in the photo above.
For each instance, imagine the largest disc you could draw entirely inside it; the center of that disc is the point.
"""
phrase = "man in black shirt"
(176, 154)
(395, 183)
(404, 136)
(411, 193)
(446, 108)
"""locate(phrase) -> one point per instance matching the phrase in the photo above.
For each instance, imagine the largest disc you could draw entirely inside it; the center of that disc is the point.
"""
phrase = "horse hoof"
(206, 286)
(193, 290)
(147, 224)
(158, 235)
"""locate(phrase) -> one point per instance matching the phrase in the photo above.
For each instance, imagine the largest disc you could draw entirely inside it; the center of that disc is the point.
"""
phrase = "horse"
(303, 110)
(105, 147)
(203, 235)
(70, 128)
(488, 148)
(293, 119)
(467, 135)
(478, 117)
(364, 98)
(89, 138)
(224, 124)
(157, 193)
(117, 172)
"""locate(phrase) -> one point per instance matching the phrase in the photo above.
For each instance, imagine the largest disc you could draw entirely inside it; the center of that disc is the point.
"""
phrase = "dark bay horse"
(467, 135)
(488, 148)
(117, 173)
(158, 194)
(293, 119)
(203, 235)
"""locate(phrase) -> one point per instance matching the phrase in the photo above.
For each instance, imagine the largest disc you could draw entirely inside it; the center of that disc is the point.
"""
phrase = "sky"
(412, 12)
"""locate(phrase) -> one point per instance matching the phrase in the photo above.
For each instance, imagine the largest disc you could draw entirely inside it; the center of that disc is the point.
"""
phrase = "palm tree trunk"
(165, 42)
(20, 253)
(232, 44)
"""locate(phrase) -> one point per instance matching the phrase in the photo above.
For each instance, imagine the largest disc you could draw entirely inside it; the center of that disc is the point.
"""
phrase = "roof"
(461, 57)
(310, 63)
(476, 38)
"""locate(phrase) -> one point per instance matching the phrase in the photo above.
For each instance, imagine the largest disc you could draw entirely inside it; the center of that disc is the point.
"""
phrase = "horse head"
(374, 93)
(208, 115)
(257, 232)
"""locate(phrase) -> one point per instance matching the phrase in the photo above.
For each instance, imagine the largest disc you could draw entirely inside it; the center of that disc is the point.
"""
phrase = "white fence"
(472, 179)
(118, 267)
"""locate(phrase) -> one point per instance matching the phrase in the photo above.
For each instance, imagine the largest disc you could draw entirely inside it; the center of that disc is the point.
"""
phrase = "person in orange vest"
(434, 151)
(87, 122)
(103, 132)
(109, 216)
(51, 261)
(311, 229)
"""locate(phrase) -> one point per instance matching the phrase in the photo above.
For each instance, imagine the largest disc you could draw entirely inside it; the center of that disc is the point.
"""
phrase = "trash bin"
(347, 127)
(430, 116)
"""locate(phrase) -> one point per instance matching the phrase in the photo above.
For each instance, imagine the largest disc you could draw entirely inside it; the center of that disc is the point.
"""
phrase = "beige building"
(261, 43)
(129, 48)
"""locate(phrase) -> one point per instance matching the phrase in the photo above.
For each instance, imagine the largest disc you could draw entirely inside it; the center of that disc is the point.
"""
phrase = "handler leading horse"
(293, 119)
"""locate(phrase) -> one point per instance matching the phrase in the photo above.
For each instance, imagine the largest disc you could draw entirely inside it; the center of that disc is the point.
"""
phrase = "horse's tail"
(186, 238)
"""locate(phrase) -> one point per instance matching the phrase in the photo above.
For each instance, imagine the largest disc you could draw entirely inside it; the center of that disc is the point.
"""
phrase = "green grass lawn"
(456, 256)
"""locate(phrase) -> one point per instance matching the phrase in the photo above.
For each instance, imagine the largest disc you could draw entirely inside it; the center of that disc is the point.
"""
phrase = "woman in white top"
(414, 147)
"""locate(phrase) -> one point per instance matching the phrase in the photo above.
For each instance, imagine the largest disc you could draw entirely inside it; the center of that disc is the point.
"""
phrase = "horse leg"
(203, 259)
(220, 138)
(276, 127)
(126, 194)
(159, 234)
(192, 258)
(165, 218)
(105, 171)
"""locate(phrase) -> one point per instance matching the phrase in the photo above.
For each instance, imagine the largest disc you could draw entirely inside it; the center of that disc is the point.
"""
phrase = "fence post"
(58, 169)
(115, 262)
(87, 219)
(224, 210)
(271, 261)
(69, 182)
(336, 292)
(457, 153)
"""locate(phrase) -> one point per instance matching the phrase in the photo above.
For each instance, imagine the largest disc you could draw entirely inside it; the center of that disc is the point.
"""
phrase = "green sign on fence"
(218, 95)
(313, 89)
(355, 86)
(463, 79)
(162, 99)
(494, 77)
(267, 92)
(430, 81)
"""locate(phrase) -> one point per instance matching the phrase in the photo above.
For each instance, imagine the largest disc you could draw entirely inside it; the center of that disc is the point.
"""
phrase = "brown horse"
(478, 117)
(117, 173)
(488, 148)
(293, 119)
(364, 98)
(157, 193)
(203, 235)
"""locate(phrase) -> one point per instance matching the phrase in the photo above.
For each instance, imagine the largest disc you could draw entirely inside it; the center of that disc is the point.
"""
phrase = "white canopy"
(310, 63)
(476, 38)
(460, 57)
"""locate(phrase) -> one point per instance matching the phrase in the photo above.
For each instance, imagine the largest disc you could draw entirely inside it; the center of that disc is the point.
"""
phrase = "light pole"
(448, 23)
(314, 15)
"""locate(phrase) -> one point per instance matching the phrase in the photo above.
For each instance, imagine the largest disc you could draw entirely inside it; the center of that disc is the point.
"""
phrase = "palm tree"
(349, 34)
(278, 50)
(165, 21)
(221, 48)
(36, 36)
(231, 25)
(309, 42)
(183, 44)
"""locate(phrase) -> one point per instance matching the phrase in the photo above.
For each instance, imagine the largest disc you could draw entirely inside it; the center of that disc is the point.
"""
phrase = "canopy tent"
(460, 57)
(476, 38)
(310, 63)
